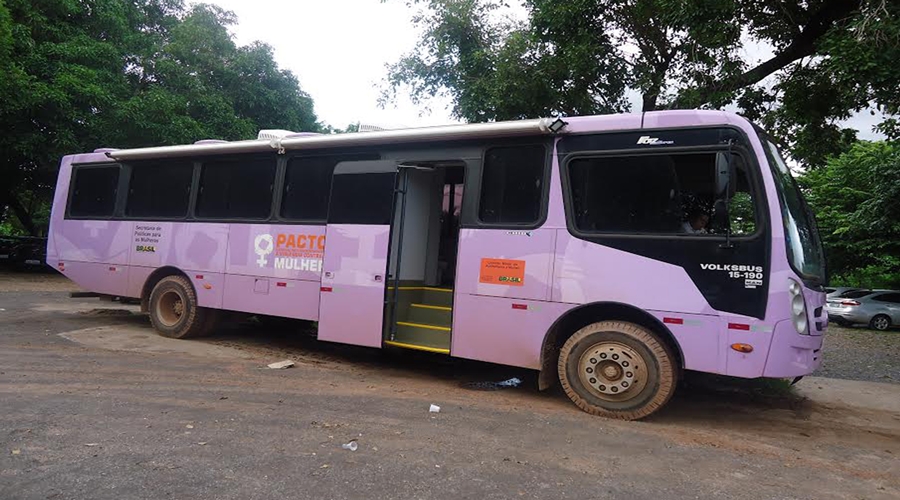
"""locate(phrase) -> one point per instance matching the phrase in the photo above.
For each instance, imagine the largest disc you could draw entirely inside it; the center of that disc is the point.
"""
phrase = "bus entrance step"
(437, 296)
(418, 334)
(430, 315)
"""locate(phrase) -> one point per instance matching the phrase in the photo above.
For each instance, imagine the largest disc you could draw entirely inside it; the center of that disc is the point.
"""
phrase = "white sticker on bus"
(264, 244)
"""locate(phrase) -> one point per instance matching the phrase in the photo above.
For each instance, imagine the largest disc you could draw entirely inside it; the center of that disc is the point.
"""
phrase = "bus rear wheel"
(174, 312)
(617, 370)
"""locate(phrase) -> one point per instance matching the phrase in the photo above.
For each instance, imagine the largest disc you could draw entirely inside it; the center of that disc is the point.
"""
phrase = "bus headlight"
(798, 308)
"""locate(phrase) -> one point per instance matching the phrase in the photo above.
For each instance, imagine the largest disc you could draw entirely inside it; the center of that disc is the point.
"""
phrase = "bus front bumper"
(792, 354)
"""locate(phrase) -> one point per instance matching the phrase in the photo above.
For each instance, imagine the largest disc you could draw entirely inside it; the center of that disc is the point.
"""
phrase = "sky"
(339, 50)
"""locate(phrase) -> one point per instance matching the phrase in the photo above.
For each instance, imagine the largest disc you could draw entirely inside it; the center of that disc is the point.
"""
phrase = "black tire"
(880, 322)
(617, 370)
(174, 312)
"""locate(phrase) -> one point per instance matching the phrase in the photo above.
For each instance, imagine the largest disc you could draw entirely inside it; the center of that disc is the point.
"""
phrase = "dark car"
(23, 250)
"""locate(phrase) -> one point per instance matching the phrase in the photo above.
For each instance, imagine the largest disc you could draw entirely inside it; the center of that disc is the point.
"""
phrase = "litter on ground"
(492, 386)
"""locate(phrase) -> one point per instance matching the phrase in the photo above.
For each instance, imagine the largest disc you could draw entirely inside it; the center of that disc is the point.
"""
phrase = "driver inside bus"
(696, 222)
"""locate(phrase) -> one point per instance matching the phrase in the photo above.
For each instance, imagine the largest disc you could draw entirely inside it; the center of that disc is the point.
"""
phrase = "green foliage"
(830, 58)
(83, 74)
(741, 213)
(7, 229)
(502, 70)
(856, 199)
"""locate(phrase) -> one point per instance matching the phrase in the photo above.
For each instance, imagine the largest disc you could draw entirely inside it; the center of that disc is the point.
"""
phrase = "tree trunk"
(19, 210)
(650, 97)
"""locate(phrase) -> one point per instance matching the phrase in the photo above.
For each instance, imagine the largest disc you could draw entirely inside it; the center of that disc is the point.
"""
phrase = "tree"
(82, 74)
(856, 199)
(829, 58)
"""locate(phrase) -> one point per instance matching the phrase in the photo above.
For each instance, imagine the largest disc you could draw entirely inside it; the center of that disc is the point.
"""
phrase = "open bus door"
(357, 244)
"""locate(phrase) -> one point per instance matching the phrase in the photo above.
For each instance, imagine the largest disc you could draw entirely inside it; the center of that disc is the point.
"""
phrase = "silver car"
(880, 309)
(839, 291)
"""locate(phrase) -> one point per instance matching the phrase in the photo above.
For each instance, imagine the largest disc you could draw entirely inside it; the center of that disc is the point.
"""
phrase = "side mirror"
(723, 173)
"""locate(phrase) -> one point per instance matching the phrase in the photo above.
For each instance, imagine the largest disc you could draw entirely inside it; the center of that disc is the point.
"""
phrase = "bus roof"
(517, 128)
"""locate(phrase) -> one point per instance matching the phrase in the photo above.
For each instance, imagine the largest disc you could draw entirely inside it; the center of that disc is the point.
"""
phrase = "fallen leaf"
(16, 452)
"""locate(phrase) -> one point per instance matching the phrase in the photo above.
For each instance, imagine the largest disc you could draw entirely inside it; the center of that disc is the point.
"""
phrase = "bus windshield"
(804, 248)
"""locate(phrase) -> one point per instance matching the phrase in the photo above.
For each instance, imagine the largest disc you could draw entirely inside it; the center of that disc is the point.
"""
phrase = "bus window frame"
(195, 190)
(477, 182)
(570, 203)
(743, 149)
(281, 177)
(128, 168)
(121, 186)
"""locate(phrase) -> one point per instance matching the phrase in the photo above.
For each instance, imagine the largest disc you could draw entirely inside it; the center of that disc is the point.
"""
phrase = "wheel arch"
(566, 325)
(154, 278)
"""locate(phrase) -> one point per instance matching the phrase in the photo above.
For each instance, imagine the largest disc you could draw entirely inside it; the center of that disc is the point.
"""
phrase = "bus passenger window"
(307, 185)
(236, 189)
(94, 191)
(512, 183)
(656, 194)
(366, 198)
(159, 189)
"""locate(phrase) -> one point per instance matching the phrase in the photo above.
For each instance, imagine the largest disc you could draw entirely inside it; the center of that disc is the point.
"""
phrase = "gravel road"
(859, 353)
(95, 405)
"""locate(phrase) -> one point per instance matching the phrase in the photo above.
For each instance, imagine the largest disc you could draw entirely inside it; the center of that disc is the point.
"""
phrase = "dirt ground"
(93, 404)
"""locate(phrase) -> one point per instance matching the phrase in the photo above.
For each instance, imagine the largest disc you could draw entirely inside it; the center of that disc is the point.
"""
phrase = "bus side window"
(159, 189)
(638, 194)
(656, 194)
(94, 191)
(512, 183)
(236, 189)
(307, 186)
(741, 214)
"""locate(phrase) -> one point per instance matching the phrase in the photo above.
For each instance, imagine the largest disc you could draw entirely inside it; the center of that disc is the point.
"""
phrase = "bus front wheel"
(174, 312)
(617, 370)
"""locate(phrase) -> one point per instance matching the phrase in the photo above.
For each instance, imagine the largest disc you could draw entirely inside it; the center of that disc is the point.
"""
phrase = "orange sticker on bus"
(502, 272)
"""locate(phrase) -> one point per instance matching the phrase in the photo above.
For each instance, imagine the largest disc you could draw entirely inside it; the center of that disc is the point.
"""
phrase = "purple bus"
(610, 253)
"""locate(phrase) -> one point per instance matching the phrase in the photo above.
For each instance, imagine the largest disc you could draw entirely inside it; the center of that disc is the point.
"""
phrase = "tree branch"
(803, 45)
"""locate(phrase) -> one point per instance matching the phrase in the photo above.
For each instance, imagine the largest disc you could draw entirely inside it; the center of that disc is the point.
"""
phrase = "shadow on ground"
(701, 398)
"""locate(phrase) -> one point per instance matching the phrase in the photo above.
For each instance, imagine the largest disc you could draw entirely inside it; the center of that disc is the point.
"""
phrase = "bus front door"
(357, 240)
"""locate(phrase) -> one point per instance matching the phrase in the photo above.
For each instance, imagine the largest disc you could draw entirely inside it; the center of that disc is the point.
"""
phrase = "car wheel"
(880, 322)
(618, 370)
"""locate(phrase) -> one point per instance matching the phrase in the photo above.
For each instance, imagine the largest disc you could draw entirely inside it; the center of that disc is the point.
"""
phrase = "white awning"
(445, 132)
